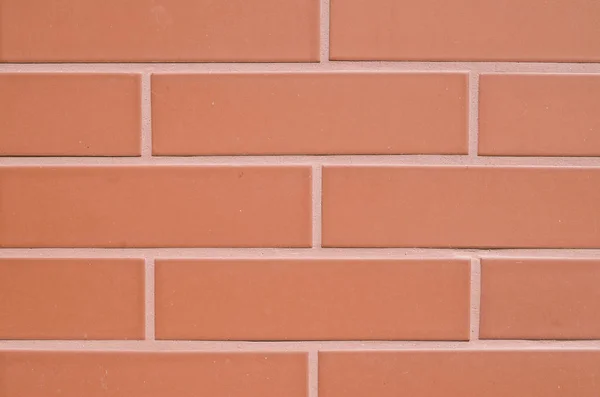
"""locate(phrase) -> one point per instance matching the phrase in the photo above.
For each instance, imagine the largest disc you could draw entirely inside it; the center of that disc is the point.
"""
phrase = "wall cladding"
(303, 198)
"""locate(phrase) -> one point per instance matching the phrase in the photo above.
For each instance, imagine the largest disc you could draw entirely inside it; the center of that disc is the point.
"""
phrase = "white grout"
(313, 373)
(302, 346)
(324, 29)
(150, 299)
(317, 177)
(146, 117)
(475, 298)
(298, 253)
(473, 113)
(481, 67)
(424, 160)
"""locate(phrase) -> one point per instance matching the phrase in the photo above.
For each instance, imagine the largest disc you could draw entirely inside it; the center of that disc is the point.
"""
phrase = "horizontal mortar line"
(297, 253)
(359, 66)
(432, 160)
(304, 346)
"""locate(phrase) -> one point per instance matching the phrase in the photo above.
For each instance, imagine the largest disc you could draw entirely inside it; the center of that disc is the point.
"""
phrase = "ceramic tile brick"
(540, 299)
(71, 298)
(155, 206)
(465, 30)
(151, 31)
(479, 207)
(539, 115)
(152, 374)
(312, 299)
(309, 113)
(489, 373)
(70, 114)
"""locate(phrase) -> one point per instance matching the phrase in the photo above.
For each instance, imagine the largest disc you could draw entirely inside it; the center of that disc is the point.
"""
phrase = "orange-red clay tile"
(540, 299)
(155, 206)
(450, 206)
(465, 30)
(309, 113)
(71, 299)
(539, 115)
(156, 374)
(155, 31)
(70, 114)
(425, 373)
(214, 299)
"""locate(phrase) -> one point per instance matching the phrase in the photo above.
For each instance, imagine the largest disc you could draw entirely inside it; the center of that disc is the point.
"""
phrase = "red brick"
(69, 114)
(213, 299)
(309, 113)
(148, 31)
(539, 115)
(71, 299)
(126, 374)
(155, 206)
(465, 30)
(455, 206)
(540, 299)
(560, 373)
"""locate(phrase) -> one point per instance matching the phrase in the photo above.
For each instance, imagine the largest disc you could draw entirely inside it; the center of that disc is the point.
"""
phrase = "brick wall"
(301, 198)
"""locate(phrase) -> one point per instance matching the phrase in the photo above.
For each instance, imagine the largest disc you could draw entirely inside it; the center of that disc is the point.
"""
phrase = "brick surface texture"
(300, 198)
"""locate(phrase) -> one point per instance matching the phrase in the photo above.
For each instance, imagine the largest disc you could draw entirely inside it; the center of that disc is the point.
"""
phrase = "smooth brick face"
(126, 374)
(464, 374)
(69, 114)
(312, 299)
(169, 31)
(482, 207)
(465, 30)
(309, 113)
(540, 299)
(539, 115)
(155, 206)
(71, 299)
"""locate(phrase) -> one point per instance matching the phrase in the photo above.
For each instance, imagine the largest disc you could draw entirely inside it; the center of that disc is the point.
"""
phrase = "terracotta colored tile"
(540, 299)
(312, 299)
(465, 30)
(127, 374)
(70, 114)
(560, 373)
(309, 113)
(71, 299)
(168, 31)
(539, 115)
(155, 206)
(483, 207)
